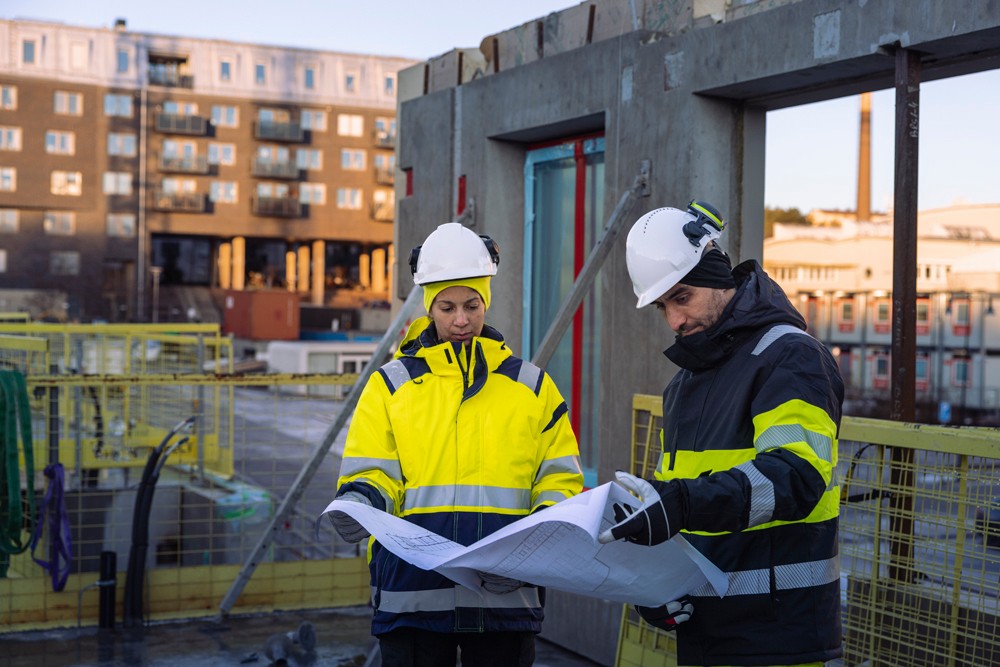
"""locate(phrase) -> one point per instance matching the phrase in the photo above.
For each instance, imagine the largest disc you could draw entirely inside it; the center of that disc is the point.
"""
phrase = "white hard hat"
(665, 244)
(452, 252)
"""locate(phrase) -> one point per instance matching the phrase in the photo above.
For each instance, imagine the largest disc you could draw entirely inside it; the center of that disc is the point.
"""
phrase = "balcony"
(185, 202)
(382, 211)
(272, 131)
(170, 79)
(197, 164)
(385, 139)
(385, 175)
(277, 207)
(171, 123)
(265, 168)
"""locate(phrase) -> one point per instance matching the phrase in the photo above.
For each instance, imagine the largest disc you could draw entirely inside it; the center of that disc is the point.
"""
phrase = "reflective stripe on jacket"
(750, 427)
(461, 441)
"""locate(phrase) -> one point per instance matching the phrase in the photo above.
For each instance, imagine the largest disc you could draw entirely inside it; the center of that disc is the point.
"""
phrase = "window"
(67, 183)
(272, 154)
(352, 159)
(121, 225)
(921, 373)
(3, 261)
(122, 61)
(64, 263)
(309, 78)
(390, 85)
(225, 116)
(59, 223)
(960, 372)
(70, 104)
(10, 138)
(309, 158)
(384, 161)
(118, 105)
(179, 185)
(268, 116)
(28, 52)
(260, 74)
(8, 220)
(175, 108)
(225, 70)
(563, 205)
(883, 318)
(923, 316)
(77, 56)
(350, 125)
(221, 153)
(349, 198)
(310, 119)
(225, 192)
(385, 129)
(880, 370)
(272, 190)
(845, 314)
(8, 179)
(60, 143)
(8, 98)
(117, 183)
(961, 324)
(383, 205)
(121, 144)
(312, 193)
(350, 82)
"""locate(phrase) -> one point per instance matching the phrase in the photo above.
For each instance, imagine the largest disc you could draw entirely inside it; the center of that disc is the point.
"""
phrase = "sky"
(812, 150)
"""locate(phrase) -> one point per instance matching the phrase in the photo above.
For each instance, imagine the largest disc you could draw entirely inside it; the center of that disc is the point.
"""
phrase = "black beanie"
(713, 270)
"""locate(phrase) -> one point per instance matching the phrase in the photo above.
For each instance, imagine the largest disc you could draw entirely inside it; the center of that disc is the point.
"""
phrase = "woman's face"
(458, 314)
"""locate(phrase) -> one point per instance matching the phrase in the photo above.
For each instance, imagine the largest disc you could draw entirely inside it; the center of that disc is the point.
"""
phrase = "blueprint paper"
(556, 548)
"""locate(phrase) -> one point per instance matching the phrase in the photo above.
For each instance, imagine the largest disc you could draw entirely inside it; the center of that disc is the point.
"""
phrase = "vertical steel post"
(904, 306)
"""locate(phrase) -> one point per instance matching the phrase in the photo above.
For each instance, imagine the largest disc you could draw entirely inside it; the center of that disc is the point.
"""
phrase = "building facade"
(838, 277)
(130, 161)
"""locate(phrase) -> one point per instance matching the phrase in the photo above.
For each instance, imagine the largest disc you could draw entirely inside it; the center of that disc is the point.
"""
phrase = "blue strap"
(54, 517)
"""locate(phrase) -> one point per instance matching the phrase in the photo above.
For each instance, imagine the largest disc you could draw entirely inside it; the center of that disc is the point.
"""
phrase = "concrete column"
(318, 272)
(303, 282)
(364, 269)
(225, 264)
(378, 270)
(291, 275)
(239, 262)
(391, 269)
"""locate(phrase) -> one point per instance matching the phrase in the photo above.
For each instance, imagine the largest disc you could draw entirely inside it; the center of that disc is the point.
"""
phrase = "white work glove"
(494, 583)
(669, 616)
(346, 526)
(656, 520)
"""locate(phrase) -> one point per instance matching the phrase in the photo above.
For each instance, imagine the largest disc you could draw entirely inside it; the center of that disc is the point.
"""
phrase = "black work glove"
(668, 616)
(656, 520)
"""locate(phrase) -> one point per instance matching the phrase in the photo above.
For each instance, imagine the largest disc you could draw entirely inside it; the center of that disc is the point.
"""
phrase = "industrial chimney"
(864, 208)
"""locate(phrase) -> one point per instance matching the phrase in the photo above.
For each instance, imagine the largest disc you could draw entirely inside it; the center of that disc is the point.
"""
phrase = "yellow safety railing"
(920, 557)
(250, 438)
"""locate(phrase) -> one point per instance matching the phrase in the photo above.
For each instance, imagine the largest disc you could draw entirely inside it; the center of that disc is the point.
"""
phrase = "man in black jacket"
(749, 452)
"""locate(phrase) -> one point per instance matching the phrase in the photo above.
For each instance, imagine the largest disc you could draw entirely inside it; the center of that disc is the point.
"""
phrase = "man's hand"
(347, 527)
(668, 616)
(656, 520)
(494, 583)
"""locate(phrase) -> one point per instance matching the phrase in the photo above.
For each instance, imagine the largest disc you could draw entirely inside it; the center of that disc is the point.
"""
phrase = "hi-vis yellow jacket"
(462, 441)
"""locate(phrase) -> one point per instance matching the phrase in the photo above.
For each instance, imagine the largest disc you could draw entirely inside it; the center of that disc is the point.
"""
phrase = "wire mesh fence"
(178, 468)
(919, 545)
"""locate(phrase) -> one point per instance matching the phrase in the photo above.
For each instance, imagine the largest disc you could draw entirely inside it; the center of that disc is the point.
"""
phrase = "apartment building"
(131, 161)
(840, 277)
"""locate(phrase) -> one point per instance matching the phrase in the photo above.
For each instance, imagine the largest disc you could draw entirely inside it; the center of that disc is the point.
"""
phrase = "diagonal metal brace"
(309, 469)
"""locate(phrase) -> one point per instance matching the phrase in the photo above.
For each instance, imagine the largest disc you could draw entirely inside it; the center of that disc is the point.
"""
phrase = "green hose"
(15, 518)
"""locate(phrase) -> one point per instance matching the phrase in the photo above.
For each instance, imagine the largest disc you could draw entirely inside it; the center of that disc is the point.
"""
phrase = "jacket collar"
(488, 350)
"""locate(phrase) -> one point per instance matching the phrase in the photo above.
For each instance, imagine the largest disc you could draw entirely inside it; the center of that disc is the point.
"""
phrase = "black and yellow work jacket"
(461, 441)
(750, 429)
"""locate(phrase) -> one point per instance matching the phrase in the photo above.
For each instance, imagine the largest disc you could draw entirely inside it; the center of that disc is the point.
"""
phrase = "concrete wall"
(688, 89)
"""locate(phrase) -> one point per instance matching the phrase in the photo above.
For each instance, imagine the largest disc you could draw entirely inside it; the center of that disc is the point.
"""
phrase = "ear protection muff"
(707, 219)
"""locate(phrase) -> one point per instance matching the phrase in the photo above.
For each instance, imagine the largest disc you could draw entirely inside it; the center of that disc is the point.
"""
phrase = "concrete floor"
(342, 640)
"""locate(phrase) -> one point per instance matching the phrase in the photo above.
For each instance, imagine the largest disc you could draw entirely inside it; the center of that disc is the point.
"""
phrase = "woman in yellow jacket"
(458, 436)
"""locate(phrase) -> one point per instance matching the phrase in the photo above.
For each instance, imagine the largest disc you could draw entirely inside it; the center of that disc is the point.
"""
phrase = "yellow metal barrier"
(215, 493)
(920, 570)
